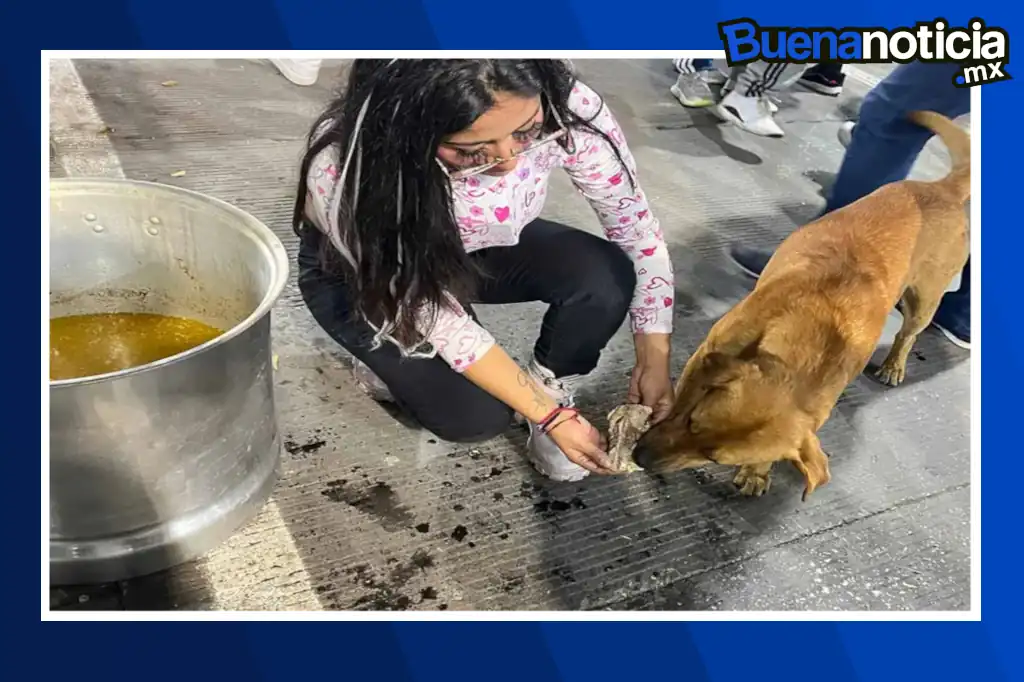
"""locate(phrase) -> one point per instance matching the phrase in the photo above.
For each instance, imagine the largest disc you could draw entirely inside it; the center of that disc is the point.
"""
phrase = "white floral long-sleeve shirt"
(492, 211)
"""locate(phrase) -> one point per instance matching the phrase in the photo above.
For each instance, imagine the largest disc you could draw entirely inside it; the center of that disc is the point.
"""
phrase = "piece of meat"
(626, 423)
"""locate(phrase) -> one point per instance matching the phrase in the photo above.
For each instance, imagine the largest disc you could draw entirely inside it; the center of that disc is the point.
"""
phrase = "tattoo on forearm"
(539, 397)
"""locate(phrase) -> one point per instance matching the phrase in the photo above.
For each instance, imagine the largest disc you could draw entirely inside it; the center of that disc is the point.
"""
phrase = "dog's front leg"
(754, 479)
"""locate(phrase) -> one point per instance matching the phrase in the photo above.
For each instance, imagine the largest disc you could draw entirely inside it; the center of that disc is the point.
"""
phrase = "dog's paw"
(890, 374)
(753, 481)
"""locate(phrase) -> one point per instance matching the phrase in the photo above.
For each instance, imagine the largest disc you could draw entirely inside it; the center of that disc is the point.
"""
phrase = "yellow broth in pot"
(88, 345)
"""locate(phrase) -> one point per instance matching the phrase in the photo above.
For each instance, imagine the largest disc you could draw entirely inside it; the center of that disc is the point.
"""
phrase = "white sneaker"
(692, 91)
(730, 84)
(845, 133)
(371, 383)
(299, 71)
(753, 114)
(545, 456)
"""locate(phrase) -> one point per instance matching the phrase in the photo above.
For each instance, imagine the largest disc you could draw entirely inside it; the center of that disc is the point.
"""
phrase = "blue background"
(520, 651)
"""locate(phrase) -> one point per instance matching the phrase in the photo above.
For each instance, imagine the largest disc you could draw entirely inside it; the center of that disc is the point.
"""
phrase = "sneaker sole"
(746, 271)
(567, 477)
(691, 103)
(953, 338)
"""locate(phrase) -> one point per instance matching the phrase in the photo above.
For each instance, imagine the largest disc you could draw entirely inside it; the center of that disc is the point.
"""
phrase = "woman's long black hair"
(398, 245)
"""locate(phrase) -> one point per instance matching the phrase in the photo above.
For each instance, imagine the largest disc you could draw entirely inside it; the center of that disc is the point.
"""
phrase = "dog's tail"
(958, 142)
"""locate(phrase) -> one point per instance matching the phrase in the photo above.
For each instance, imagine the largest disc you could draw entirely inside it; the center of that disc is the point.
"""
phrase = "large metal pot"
(156, 465)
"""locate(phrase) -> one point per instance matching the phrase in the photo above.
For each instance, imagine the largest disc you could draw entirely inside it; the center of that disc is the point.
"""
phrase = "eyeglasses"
(461, 173)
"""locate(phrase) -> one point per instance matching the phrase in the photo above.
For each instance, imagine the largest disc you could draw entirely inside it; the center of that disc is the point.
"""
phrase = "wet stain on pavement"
(309, 447)
(378, 500)
(386, 593)
(550, 508)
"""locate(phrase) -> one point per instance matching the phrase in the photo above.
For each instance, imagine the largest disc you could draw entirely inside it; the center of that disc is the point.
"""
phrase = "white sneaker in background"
(299, 71)
(545, 456)
(845, 133)
(753, 114)
(730, 84)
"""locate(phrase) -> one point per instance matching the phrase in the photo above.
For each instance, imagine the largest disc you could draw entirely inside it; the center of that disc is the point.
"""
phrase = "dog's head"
(736, 410)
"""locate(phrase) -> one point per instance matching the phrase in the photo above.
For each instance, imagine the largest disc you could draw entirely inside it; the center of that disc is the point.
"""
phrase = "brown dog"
(770, 371)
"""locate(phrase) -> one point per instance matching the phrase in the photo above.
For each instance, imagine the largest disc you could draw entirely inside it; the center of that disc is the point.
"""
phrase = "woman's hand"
(650, 383)
(582, 444)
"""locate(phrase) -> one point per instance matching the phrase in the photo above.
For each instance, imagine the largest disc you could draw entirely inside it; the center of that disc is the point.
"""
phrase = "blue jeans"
(885, 144)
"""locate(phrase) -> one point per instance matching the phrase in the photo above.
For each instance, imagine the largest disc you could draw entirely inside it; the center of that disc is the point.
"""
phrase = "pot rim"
(265, 238)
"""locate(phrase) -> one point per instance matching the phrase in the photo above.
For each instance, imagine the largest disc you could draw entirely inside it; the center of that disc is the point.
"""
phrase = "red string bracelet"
(547, 423)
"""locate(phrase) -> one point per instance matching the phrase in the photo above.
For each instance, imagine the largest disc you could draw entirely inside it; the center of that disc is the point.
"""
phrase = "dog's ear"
(720, 369)
(812, 462)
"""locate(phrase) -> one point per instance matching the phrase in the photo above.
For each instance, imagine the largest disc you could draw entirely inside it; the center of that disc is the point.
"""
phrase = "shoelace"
(560, 386)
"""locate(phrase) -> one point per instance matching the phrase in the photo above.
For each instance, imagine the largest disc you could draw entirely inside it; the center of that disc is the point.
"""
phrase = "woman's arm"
(604, 179)
(624, 213)
(470, 349)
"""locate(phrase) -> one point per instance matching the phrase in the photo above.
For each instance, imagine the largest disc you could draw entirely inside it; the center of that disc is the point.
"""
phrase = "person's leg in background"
(883, 147)
(884, 144)
(825, 78)
(745, 101)
(692, 86)
(299, 71)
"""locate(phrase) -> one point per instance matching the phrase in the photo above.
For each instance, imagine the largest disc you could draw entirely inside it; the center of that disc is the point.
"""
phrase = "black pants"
(587, 281)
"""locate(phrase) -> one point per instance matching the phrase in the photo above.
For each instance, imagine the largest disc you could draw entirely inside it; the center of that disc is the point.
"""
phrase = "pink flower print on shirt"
(476, 211)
